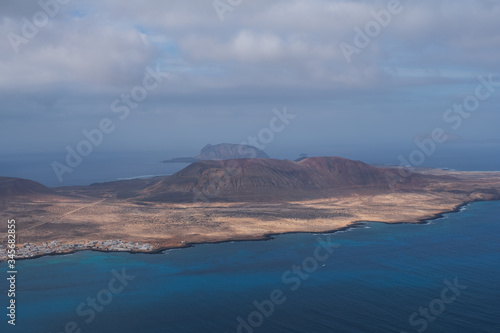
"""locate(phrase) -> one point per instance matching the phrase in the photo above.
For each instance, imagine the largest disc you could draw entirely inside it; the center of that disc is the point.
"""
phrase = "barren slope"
(274, 180)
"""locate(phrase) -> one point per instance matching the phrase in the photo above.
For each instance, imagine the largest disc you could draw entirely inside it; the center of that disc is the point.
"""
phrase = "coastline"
(264, 237)
(352, 225)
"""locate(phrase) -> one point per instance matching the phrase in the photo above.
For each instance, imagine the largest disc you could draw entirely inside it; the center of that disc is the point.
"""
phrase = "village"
(29, 250)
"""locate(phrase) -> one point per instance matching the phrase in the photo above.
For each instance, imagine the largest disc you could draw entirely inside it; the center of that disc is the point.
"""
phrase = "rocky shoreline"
(31, 250)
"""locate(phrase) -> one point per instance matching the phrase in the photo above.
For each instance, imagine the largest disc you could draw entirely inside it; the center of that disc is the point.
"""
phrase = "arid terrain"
(227, 207)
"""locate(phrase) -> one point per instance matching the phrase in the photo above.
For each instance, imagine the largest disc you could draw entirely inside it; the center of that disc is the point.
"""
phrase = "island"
(222, 151)
(235, 199)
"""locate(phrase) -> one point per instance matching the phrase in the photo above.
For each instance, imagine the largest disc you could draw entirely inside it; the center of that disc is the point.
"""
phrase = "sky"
(296, 75)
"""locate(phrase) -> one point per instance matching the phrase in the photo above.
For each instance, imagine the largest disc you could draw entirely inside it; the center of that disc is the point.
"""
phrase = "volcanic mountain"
(239, 199)
(273, 180)
(10, 186)
(227, 151)
(222, 151)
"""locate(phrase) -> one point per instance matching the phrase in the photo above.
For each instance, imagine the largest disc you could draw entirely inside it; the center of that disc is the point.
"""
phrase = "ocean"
(96, 168)
(103, 166)
(435, 277)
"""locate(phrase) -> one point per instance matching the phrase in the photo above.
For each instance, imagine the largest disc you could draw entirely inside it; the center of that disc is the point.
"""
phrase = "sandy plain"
(81, 216)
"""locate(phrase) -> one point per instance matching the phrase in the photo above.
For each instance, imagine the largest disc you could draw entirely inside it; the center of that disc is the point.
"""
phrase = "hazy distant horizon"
(218, 79)
(393, 82)
(104, 166)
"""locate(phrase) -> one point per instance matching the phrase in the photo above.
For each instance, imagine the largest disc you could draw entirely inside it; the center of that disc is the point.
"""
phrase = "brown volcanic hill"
(272, 180)
(10, 186)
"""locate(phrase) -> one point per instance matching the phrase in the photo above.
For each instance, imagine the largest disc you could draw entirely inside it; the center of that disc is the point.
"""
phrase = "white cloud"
(106, 44)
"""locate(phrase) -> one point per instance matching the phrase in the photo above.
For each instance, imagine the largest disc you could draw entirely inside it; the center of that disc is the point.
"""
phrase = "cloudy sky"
(224, 66)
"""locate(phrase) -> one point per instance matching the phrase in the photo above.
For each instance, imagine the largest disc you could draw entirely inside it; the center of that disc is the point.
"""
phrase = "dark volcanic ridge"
(276, 180)
(264, 181)
(10, 186)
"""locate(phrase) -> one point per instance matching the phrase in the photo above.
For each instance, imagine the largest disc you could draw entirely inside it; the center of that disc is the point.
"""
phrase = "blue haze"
(103, 166)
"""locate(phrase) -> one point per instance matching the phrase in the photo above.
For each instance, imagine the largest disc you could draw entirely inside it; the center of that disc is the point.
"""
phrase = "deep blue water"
(372, 282)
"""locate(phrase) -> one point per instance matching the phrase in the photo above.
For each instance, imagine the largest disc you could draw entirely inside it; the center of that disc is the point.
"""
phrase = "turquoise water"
(373, 281)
